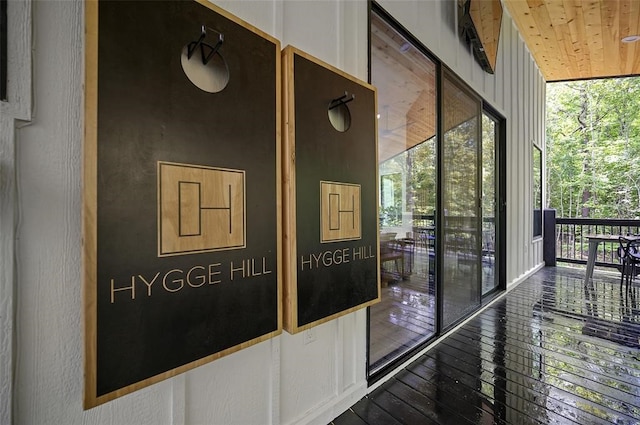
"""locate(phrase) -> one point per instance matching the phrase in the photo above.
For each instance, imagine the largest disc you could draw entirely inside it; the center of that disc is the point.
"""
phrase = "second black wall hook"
(338, 111)
(342, 100)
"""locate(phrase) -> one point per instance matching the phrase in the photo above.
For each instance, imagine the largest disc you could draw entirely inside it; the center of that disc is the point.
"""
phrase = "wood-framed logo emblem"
(200, 209)
(182, 192)
(331, 246)
(340, 213)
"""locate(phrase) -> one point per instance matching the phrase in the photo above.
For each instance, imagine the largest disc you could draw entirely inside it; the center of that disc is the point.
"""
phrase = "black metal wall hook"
(206, 57)
(342, 100)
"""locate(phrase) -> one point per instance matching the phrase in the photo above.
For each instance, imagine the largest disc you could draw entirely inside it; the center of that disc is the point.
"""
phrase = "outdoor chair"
(629, 253)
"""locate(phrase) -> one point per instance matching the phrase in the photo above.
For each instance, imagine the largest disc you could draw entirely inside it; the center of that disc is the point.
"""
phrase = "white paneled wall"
(281, 381)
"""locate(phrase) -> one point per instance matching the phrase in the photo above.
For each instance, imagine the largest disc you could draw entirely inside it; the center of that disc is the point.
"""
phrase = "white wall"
(281, 381)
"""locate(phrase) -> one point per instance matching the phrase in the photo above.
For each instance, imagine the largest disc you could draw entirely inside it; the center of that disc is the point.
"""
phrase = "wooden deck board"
(551, 351)
(398, 407)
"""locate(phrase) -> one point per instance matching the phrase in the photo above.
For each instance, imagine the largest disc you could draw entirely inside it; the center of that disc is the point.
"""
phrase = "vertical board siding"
(524, 176)
(352, 52)
(48, 256)
(429, 32)
(7, 234)
(235, 403)
(305, 21)
(513, 146)
(265, 15)
(512, 152)
(534, 92)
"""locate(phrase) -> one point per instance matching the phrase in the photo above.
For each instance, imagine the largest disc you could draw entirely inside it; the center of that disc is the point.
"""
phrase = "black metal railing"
(572, 243)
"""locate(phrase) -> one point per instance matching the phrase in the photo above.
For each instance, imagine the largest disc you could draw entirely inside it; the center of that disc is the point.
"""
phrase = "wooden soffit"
(580, 39)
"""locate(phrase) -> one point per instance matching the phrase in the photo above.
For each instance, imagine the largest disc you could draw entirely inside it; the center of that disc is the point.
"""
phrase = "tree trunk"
(584, 119)
(586, 196)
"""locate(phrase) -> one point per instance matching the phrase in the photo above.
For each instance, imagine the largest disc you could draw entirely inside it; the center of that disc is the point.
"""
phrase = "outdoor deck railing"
(572, 243)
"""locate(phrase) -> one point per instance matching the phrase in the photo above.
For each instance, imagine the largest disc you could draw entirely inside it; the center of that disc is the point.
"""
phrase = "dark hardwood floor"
(551, 351)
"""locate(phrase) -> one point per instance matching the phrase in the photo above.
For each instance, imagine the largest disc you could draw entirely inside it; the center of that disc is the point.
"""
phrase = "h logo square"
(340, 215)
(200, 209)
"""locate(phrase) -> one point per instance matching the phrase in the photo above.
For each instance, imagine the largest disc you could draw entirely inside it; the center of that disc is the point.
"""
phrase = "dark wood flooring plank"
(612, 372)
(449, 410)
(555, 360)
(528, 396)
(372, 414)
(397, 407)
(623, 362)
(588, 314)
(416, 399)
(601, 402)
(348, 418)
(525, 405)
(605, 405)
(550, 352)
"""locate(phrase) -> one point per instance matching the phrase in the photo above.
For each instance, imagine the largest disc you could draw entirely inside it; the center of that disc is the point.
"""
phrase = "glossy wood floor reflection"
(551, 351)
(403, 318)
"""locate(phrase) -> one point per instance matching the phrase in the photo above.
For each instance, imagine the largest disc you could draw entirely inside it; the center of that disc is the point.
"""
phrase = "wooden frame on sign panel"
(330, 193)
(182, 191)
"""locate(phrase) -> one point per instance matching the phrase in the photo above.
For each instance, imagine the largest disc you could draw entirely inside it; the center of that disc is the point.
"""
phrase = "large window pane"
(406, 83)
(489, 203)
(537, 191)
(460, 202)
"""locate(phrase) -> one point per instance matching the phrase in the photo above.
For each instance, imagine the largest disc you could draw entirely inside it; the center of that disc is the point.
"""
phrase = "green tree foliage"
(413, 170)
(593, 148)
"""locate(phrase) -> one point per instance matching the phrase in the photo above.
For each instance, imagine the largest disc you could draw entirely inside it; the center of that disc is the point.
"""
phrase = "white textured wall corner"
(14, 112)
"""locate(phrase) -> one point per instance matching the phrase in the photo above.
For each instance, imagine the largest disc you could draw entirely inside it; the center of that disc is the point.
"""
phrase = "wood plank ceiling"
(580, 39)
(406, 82)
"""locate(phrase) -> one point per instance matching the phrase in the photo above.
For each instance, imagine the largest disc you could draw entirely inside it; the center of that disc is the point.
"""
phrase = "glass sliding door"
(406, 82)
(461, 181)
(441, 199)
(489, 203)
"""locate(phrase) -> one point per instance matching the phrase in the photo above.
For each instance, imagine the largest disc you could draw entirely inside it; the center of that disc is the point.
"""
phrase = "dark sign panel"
(182, 188)
(330, 202)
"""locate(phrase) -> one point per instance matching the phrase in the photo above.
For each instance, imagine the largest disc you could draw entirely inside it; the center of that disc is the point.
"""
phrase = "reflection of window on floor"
(404, 318)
